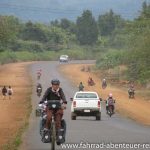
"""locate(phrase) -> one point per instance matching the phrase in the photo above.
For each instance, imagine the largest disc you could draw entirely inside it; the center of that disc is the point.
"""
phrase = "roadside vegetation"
(111, 40)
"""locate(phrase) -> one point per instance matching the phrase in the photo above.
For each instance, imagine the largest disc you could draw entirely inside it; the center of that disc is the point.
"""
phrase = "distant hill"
(47, 10)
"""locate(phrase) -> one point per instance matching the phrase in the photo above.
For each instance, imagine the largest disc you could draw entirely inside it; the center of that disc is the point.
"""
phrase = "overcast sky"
(46, 10)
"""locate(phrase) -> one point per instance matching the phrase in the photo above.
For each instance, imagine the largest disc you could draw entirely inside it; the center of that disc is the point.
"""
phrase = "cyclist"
(54, 92)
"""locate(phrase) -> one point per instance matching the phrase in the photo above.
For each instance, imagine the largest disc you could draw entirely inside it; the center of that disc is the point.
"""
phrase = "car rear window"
(63, 56)
(86, 95)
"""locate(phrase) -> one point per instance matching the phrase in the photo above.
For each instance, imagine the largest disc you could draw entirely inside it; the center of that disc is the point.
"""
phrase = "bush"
(111, 59)
(21, 45)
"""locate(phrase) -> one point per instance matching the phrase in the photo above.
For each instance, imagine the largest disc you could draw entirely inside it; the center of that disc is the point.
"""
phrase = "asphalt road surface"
(85, 130)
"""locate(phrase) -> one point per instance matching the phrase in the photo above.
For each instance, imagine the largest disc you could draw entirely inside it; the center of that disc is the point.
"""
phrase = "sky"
(48, 10)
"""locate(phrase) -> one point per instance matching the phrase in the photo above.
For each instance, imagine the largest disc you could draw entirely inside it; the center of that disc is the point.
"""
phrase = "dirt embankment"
(14, 112)
(137, 109)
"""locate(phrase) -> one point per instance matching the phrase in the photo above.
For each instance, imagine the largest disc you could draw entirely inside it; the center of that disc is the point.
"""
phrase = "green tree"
(68, 25)
(55, 23)
(87, 30)
(145, 11)
(9, 28)
(34, 32)
(108, 22)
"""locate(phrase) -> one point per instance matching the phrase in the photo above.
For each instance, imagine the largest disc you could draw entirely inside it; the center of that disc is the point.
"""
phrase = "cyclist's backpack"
(46, 137)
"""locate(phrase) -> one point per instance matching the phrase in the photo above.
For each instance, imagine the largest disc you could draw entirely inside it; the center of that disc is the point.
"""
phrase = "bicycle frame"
(53, 133)
(53, 127)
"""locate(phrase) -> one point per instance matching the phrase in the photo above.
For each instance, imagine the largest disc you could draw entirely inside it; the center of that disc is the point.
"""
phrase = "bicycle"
(49, 136)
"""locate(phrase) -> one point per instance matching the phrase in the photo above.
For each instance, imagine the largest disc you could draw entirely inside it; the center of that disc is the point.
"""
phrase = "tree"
(9, 27)
(68, 25)
(87, 31)
(108, 23)
(145, 13)
(34, 32)
(55, 23)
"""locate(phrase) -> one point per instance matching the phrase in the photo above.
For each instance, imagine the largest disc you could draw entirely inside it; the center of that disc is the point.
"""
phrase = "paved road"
(109, 130)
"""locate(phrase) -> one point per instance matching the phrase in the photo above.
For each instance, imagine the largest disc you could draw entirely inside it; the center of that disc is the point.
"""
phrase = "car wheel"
(98, 116)
(73, 116)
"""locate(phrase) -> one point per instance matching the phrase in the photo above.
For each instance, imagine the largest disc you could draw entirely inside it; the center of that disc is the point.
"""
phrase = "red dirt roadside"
(137, 109)
(14, 112)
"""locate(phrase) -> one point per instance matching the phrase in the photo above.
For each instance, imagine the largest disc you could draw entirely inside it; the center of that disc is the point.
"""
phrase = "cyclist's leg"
(49, 117)
(58, 117)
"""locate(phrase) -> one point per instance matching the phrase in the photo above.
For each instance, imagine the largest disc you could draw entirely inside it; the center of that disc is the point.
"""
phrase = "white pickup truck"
(86, 103)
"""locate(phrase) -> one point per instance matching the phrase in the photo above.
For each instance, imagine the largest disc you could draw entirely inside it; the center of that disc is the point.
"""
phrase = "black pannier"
(54, 104)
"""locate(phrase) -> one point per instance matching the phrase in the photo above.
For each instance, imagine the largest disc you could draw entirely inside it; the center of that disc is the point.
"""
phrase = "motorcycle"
(131, 93)
(91, 83)
(39, 91)
(110, 107)
(110, 110)
(104, 85)
(50, 135)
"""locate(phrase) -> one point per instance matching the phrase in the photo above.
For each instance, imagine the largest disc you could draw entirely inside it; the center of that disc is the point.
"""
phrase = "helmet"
(104, 79)
(110, 95)
(55, 82)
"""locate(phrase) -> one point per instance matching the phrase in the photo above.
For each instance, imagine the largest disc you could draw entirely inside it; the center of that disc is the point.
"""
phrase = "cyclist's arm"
(62, 95)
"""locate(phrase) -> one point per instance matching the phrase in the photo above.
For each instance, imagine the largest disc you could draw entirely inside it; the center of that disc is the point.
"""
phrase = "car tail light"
(99, 104)
(74, 103)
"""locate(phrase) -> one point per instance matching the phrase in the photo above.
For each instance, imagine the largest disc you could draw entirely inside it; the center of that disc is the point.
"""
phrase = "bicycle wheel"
(53, 136)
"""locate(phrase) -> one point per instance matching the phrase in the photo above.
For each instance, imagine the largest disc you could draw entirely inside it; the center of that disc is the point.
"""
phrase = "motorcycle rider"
(104, 83)
(39, 73)
(38, 87)
(81, 86)
(90, 81)
(54, 92)
(131, 90)
(110, 102)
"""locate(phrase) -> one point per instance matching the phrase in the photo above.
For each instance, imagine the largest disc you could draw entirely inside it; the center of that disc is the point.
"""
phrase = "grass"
(76, 52)
(16, 140)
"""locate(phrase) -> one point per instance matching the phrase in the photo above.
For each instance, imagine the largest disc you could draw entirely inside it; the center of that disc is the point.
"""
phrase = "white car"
(86, 103)
(64, 58)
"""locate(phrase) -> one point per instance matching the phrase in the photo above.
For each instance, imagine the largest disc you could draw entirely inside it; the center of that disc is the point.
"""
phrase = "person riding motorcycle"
(39, 73)
(131, 90)
(104, 83)
(110, 102)
(54, 92)
(81, 86)
(39, 87)
(91, 81)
